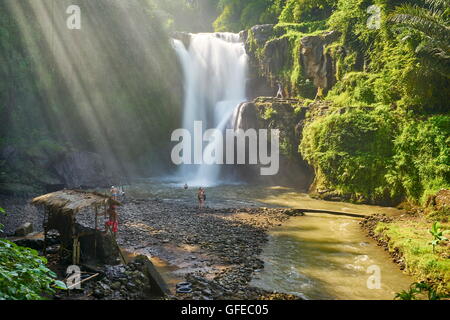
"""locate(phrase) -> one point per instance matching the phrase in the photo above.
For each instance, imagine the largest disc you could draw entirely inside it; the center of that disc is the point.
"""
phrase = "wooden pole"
(95, 233)
(74, 251)
(337, 213)
(45, 229)
(117, 245)
(87, 279)
(78, 251)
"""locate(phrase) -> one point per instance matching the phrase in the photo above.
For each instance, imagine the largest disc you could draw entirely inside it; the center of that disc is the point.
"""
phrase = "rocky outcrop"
(288, 116)
(259, 33)
(247, 116)
(128, 282)
(276, 55)
(39, 169)
(82, 169)
(270, 53)
(184, 37)
(259, 83)
(318, 64)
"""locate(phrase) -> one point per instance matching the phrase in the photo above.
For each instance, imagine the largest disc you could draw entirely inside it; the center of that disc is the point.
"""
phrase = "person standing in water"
(114, 192)
(201, 196)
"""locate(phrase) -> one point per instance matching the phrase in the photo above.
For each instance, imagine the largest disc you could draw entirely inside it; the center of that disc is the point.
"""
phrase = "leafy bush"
(306, 10)
(351, 152)
(2, 211)
(398, 73)
(438, 235)
(419, 288)
(23, 274)
(422, 158)
(237, 15)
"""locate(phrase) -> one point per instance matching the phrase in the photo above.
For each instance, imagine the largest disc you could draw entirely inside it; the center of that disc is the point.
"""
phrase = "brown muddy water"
(317, 256)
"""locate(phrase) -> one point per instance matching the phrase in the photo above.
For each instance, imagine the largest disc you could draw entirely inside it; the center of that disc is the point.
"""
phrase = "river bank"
(407, 239)
(215, 249)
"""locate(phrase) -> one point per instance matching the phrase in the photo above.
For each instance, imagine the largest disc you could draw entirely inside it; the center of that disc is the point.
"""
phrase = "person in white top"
(280, 91)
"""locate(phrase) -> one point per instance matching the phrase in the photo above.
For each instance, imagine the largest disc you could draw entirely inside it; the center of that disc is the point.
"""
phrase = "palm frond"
(431, 20)
(438, 4)
(430, 23)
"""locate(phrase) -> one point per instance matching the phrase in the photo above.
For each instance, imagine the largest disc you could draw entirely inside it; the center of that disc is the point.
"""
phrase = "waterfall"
(215, 73)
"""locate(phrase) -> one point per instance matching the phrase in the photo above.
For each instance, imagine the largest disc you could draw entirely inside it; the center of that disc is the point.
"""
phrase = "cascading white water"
(215, 73)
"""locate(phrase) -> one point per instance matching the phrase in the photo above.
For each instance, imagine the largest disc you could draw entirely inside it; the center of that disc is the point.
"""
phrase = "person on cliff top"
(280, 91)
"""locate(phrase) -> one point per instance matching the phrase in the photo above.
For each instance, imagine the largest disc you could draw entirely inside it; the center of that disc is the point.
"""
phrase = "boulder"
(82, 169)
(158, 286)
(24, 230)
(246, 117)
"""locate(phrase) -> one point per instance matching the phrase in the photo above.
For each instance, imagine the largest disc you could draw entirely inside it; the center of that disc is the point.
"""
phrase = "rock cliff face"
(82, 169)
(184, 37)
(318, 64)
(27, 173)
(260, 82)
(271, 54)
(288, 116)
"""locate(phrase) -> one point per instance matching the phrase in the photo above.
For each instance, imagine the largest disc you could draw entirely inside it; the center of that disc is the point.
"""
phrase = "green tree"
(237, 15)
(428, 29)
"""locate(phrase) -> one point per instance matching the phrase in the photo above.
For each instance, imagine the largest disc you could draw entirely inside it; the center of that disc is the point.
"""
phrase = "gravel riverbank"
(215, 249)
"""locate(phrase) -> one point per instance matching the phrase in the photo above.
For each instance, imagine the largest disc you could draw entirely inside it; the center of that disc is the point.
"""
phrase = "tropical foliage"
(393, 67)
(23, 273)
(427, 24)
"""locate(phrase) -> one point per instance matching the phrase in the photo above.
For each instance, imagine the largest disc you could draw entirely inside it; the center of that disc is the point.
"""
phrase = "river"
(317, 256)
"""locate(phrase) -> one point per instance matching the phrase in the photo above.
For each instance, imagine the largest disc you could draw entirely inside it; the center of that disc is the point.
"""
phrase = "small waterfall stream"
(215, 73)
